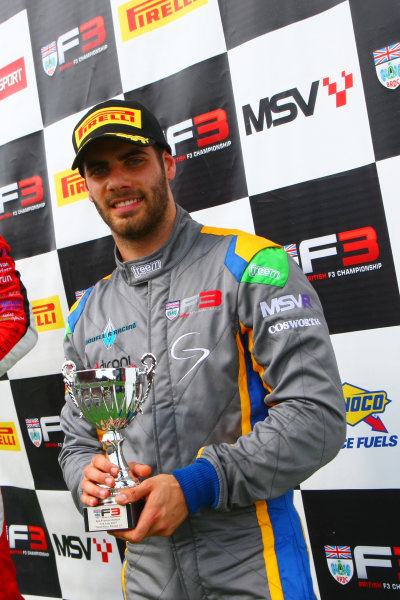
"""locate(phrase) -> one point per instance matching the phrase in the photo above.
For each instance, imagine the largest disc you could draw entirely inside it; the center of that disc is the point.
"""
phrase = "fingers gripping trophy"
(110, 399)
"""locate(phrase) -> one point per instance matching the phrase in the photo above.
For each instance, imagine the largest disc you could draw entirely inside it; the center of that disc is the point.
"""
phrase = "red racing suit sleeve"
(18, 333)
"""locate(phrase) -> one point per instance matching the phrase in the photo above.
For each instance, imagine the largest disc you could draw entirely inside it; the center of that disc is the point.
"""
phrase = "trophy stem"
(113, 442)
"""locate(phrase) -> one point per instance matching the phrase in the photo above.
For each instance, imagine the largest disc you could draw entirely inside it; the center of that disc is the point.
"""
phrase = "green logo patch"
(269, 266)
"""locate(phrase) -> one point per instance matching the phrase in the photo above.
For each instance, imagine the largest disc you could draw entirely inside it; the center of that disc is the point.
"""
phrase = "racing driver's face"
(129, 186)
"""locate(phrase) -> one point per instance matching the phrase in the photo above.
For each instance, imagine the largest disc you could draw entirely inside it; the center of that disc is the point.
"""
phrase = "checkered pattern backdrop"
(283, 118)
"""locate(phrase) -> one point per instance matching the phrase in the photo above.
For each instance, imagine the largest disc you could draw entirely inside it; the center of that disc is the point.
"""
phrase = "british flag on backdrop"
(387, 65)
(338, 552)
(291, 249)
(340, 563)
(34, 430)
(49, 58)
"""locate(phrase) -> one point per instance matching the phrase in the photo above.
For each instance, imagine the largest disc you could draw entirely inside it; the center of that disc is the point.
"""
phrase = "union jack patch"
(172, 309)
(340, 563)
(387, 65)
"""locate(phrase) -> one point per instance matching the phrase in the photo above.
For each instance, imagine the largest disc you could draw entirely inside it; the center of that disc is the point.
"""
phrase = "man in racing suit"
(17, 336)
(246, 401)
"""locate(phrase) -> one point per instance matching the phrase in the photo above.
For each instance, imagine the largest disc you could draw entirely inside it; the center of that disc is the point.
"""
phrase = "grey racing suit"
(246, 404)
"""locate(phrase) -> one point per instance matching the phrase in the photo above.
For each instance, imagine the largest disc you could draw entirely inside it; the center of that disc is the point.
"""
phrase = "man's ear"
(87, 191)
(170, 165)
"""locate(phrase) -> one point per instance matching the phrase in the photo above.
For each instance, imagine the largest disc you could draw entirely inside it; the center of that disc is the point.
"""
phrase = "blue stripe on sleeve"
(236, 264)
(76, 313)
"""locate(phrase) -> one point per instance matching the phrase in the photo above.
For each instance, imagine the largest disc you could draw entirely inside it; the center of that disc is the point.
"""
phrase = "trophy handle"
(68, 371)
(150, 362)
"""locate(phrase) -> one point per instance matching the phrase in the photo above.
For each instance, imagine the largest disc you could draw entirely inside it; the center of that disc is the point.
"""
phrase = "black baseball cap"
(126, 120)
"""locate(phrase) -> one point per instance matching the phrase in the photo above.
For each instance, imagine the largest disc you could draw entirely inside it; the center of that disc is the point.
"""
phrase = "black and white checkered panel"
(283, 120)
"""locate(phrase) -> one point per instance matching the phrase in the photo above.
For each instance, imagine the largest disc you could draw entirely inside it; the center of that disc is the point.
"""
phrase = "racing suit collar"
(168, 256)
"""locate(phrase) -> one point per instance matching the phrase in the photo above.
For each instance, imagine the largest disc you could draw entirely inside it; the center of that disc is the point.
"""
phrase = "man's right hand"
(101, 471)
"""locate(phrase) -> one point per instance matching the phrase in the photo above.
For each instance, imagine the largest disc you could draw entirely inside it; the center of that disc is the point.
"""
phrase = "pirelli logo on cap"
(107, 116)
(137, 16)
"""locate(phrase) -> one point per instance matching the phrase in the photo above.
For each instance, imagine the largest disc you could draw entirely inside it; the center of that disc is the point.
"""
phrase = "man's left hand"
(164, 510)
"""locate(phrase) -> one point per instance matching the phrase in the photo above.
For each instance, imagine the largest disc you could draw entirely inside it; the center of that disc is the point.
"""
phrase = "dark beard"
(156, 203)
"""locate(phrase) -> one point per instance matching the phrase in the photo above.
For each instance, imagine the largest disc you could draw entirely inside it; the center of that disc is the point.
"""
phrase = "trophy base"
(107, 517)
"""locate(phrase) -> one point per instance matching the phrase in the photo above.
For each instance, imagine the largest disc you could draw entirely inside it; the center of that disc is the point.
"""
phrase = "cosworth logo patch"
(116, 115)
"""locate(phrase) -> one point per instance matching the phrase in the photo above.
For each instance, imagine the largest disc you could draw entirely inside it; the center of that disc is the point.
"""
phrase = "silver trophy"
(110, 399)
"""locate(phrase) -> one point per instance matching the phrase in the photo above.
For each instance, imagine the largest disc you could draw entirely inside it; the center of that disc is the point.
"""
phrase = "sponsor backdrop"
(283, 121)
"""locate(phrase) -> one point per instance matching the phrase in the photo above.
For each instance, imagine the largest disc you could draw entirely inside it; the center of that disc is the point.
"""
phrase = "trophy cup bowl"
(110, 399)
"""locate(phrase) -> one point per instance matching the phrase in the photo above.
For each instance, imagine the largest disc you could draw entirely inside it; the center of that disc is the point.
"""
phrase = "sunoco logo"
(364, 406)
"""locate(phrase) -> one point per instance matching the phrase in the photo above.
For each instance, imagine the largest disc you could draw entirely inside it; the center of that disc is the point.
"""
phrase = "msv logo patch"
(284, 303)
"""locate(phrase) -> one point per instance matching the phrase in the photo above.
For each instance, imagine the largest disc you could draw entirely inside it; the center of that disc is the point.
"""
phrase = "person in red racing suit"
(17, 336)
